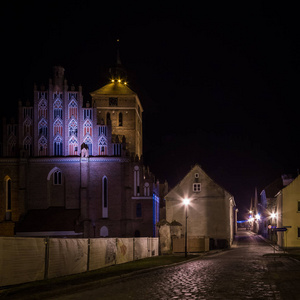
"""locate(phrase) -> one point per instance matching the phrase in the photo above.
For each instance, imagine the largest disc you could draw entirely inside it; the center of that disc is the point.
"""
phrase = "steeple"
(117, 72)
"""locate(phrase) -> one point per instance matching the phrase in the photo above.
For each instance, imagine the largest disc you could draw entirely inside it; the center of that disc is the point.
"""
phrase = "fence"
(29, 259)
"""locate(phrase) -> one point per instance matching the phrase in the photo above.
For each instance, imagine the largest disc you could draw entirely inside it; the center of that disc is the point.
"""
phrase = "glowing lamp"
(186, 201)
(119, 80)
(257, 217)
(273, 215)
(112, 80)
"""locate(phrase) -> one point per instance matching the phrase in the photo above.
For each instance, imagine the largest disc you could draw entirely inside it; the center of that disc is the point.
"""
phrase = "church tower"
(117, 105)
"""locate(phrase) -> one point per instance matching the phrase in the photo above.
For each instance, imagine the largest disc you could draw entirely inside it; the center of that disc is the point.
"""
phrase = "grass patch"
(86, 277)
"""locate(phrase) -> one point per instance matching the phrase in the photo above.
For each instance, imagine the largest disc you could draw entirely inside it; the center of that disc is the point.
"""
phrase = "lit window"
(196, 187)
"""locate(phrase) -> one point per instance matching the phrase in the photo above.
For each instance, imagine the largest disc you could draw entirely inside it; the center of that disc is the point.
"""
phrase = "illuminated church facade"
(70, 168)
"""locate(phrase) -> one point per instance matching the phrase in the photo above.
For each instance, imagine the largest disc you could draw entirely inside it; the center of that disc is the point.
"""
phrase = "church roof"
(114, 88)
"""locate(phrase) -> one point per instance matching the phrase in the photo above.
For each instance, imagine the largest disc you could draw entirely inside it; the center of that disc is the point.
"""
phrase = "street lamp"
(186, 202)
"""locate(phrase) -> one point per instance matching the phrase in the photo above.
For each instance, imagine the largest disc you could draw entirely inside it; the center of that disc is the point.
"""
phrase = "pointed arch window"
(73, 109)
(57, 177)
(136, 181)
(42, 144)
(57, 146)
(73, 128)
(102, 146)
(27, 145)
(73, 146)
(43, 128)
(58, 127)
(104, 197)
(43, 109)
(8, 199)
(87, 127)
(57, 109)
(27, 126)
(88, 141)
(11, 145)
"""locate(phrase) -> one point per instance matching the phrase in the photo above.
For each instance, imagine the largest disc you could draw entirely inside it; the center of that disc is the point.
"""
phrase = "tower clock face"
(113, 101)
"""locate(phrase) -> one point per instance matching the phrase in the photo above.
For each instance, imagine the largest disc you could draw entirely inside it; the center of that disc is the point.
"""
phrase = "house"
(288, 214)
(71, 168)
(210, 212)
(268, 206)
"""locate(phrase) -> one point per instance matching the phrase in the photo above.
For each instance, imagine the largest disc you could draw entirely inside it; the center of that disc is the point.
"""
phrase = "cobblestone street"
(239, 273)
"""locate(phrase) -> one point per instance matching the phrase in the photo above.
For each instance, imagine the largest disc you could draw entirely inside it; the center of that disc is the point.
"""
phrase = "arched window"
(146, 189)
(103, 231)
(57, 109)
(120, 119)
(73, 109)
(88, 141)
(102, 146)
(27, 145)
(8, 199)
(88, 127)
(57, 178)
(73, 146)
(42, 127)
(57, 146)
(104, 197)
(58, 127)
(42, 146)
(42, 108)
(136, 181)
(73, 127)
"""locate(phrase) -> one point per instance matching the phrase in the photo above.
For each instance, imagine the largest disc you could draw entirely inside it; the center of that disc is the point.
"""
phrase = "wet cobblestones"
(240, 273)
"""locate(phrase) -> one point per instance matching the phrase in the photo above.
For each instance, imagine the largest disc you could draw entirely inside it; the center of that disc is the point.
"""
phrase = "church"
(71, 168)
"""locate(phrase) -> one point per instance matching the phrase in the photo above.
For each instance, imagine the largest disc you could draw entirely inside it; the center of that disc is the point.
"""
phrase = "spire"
(117, 72)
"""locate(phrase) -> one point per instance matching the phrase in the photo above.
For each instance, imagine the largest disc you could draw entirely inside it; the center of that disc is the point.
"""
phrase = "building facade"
(73, 168)
(210, 212)
(288, 214)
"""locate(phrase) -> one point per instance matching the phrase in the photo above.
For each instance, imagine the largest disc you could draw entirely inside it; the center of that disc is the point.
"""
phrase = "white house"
(210, 211)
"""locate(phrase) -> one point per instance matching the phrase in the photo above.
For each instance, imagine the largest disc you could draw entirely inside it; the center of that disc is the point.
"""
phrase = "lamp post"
(186, 202)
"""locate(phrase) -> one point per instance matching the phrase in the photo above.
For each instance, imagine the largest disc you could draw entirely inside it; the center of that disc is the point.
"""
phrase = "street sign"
(280, 229)
(287, 226)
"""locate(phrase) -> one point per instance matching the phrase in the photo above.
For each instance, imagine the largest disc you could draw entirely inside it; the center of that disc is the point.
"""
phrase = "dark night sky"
(218, 83)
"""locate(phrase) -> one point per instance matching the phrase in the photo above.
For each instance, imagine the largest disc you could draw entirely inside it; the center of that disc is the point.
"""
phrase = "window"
(108, 120)
(57, 146)
(136, 181)
(57, 178)
(298, 206)
(139, 210)
(113, 101)
(196, 187)
(73, 109)
(73, 128)
(104, 197)
(8, 200)
(298, 232)
(120, 119)
(57, 109)
(43, 130)
(103, 231)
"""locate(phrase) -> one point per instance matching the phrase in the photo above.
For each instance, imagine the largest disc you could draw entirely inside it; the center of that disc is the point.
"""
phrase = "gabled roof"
(114, 88)
(196, 168)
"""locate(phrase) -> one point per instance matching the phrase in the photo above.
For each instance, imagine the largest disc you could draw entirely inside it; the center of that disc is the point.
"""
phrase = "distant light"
(186, 201)
(112, 80)
(257, 216)
(119, 80)
(273, 215)
(125, 83)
